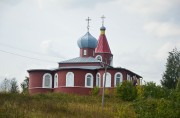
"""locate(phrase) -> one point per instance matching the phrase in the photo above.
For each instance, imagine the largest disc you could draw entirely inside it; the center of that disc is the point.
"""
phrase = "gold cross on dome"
(103, 17)
(88, 19)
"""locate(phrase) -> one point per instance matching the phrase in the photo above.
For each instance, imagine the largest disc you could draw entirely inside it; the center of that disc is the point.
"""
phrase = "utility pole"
(104, 84)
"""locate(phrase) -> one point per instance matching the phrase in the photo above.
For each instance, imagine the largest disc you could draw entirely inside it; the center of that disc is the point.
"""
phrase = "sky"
(36, 34)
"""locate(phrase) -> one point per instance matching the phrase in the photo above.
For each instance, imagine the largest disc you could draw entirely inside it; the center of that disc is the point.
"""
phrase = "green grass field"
(57, 105)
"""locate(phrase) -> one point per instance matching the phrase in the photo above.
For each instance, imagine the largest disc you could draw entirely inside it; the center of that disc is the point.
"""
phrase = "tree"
(5, 85)
(178, 85)
(14, 86)
(25, 85)
(172, 72)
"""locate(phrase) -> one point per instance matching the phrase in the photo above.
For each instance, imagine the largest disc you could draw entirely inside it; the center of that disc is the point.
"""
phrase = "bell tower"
(102, 51)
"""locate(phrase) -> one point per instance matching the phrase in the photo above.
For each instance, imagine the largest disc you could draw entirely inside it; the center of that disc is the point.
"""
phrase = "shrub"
(175, 96)
(153, 91)
(156, 108)
(140, 92)
(127, 91)
(95, 91)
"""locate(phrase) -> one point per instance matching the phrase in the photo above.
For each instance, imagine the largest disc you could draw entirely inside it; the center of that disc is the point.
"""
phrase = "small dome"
(103, 28)
(87, 41)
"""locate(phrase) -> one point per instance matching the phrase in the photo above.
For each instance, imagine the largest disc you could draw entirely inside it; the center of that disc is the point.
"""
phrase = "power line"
(25, 50)
(27, 56)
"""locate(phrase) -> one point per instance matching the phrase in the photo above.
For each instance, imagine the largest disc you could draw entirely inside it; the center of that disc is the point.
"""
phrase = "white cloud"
(71, 3)
(46, 45)
(142, 63)
(49, 47)
(11, 2)
(162, 53)
(149, 6)
(162, 29)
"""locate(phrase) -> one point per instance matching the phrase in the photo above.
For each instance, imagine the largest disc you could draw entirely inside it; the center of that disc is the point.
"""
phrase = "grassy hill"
(57, 105)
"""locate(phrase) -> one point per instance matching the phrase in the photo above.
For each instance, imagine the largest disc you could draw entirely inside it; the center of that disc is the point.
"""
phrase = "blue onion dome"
(87, 41)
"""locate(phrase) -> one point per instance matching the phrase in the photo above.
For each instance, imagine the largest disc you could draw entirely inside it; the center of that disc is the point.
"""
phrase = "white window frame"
(56, 80)
(121, 79)
(99, 80)
(128, 77)
(131, 79)
(107, 79)
(99, 56)
(111, 61)
(91, 86)
(85, 52)
(50, 81)
(70, 84)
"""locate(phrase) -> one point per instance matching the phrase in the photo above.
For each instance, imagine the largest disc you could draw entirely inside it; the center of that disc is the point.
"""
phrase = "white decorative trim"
(50, 81)
(107, 74)
(99, 79)
(64, 87)
(91, 84)
(39, 88)
(100, 57)
(70, 86)
(55, 80)
(121, 78)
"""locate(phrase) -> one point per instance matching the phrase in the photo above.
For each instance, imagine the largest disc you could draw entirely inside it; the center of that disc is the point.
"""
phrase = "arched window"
(98, 79)
(89, 80)
(98, 57)
(118, 78)
(47, 81)
(108, 79)
(70, 79)
(56, 80)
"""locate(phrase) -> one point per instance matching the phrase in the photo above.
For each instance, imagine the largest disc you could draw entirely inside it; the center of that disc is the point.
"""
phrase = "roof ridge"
(81, 60)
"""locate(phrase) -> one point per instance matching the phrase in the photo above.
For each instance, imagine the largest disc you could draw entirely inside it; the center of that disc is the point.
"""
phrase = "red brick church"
(81, 74)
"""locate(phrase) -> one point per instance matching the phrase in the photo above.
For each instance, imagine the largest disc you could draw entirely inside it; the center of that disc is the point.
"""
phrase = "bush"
(127, 91)
(175, 96)
(152, 91)
(156, 108)
(95, 91)
(140, 92)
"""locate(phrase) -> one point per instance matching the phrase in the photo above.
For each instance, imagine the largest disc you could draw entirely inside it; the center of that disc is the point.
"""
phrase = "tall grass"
(58, 105)
(53, 105)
